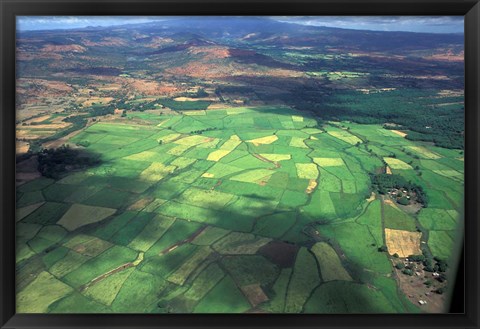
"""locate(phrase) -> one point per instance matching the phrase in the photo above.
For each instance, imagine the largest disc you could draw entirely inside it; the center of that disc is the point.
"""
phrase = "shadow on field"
(135, 226)
(165, 256)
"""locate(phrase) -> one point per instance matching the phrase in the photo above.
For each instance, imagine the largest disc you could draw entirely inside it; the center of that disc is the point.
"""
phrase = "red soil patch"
(211, 52)
(158, 41)
(109, 41)
(63, 48)
(152, 87)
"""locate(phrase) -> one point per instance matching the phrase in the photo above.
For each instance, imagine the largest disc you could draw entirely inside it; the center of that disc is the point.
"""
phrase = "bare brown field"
(21, 147)
(152, 87)
(211, 52)
(97, 100)
(39, 119)
(415, 290)
(63, 48)
(30, 135)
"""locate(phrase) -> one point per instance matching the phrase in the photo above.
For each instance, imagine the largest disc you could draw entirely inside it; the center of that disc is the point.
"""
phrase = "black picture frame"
(465, 307)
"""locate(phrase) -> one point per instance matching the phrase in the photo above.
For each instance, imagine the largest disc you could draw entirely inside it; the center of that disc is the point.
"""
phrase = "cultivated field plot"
(255, 167)
(173, 221)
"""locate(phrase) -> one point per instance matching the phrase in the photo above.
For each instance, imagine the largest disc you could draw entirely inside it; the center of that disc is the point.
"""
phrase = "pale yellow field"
(345, 136)
(178, 150)
(231, 143)
(297, 118)
(307, 170)
(312, 184)
(397, 164)
(168, 138)
(156, 172)
(263, 140)
(388, 170)
(298, 142)
(195, 112)
(329, 162)
(217, 155)
(21, 147)
(424, 152)
(403, 243)
(371, 197)
(182, 162)
(236, 110)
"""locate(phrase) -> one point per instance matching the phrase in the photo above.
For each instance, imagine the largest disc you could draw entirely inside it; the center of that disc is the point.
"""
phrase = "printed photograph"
(253, 164)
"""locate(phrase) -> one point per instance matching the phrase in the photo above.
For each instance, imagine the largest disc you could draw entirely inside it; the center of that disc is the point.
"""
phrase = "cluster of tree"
(198, 94)
(383, 182)
(53, 162)
(413, 109)
(201, 131)
(184, 106)
(96, 111)
(430, 263)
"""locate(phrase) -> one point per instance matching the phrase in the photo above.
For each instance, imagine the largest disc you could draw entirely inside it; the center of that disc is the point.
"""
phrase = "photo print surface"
(238, 164)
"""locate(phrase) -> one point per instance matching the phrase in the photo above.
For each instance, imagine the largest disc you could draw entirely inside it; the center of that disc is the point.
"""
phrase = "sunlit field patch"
(397, 164)
(276, 157)
(329, 162)
(423, 152)
(344, 136)
(156, 171)
(307, 170)
(217, 155)
(403, 243)
(263, 140)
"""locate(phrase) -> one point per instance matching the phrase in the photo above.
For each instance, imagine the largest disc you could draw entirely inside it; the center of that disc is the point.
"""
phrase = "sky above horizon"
(428, 24)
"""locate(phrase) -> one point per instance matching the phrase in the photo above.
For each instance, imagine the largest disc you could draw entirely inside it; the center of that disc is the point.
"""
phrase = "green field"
(257, 213)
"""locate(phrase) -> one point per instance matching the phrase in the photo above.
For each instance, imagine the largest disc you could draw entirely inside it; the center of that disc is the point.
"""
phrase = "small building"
(422, 302)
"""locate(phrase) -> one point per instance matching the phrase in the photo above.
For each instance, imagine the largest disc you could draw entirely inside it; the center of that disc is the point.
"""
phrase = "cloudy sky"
(435, 24)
